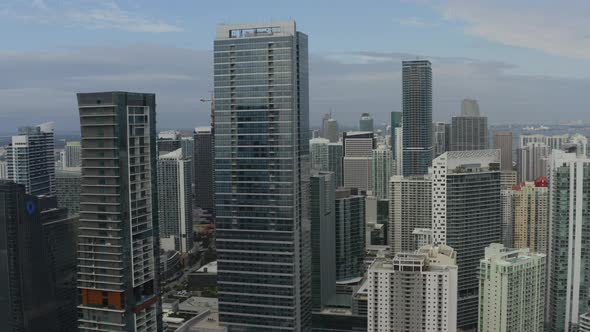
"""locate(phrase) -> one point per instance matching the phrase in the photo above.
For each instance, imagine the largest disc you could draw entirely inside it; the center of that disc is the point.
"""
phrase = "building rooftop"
(209, 267)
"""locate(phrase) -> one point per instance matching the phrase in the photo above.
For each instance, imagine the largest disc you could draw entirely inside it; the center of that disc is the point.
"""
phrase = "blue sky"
(521, 59)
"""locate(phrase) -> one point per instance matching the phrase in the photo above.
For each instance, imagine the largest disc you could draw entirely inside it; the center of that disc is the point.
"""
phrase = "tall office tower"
(331, 130)
(410, 207)
(262, 174)
(67, 189)
(38, 263)
(187, 144)
(531, 215)
(356, 163)
(168, 141)
(366, 122)
(414, 292)
(503, 141)
(553, 142)
(203, 168)
(470, 130)
(381, 171)
(532, 161)
(3, 169)
(507, 199)
(440, 137)
(323, 239)
(118, 247)
(417, 117)
(350, 234)
(31, 161)
(396, 122)
(569, 277)
(72, 154)
(466, 215)
(318, 151)
(325, 118)
(512, 290)
(335, 155)
(175, 195)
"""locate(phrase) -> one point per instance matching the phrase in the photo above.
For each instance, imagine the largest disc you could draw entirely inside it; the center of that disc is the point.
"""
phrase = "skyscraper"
(414, 292)
(410, 207)
(366, 122)
(417, 116)
(350, 234)
(470, 130)
(203, 168)
(356, 163)
(331, 130)
(323, 240)
(37, 263)
(503, 141)
(261, 176)
(531, 215)
(440, 137)
(67, 189)
(335, 154)
(512, 290)
(118, 249)
(168, 141)
(532, 161)
(381, 171)
(31, 160)
(175, 201)
(72, 154)
(466, 215)
(318, 150)
(569, 276)
(553, 142)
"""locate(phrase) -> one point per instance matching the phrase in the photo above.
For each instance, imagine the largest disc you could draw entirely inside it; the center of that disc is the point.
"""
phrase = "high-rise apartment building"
(553, 142)
(569, 276)
(335, 155)
(507, 199)
(175, 201)
(72, 154)
(417, 116)
(3, 169)
(413, 292)
(350, 234)
(395, 123)
(37, 263)
(356, 163)
(470, 130)
(512, 290)
(503, 141)
(31, 160)
(67, 189)
(203, 168)
(261, 176)
(323, 239)
(410, 208)
(118, 247)
(532, 161)
(318, 151)
(381, 171)
(466, 215)
(531, 215)
(441, 136)
(366, 122)
(331, 130)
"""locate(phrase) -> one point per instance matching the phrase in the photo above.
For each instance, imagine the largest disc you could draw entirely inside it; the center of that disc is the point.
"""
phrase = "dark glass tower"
(417, 116)
(118, 247)
(203, 168)
(261, 177)
(37, 263)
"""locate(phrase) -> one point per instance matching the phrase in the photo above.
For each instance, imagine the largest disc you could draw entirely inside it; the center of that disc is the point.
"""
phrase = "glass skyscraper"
(417, 116)
(261, 177)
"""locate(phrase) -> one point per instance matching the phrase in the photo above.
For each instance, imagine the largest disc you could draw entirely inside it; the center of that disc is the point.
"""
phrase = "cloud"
(412, 22)
(86, 15)
(552, 27)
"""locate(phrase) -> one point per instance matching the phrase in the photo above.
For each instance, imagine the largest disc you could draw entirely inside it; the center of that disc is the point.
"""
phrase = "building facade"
(335, 155)
(261, 176)
(318, 151)
(512, 290)
(532, 160)
(530, 210)
(569, 199)
(72, 154)
(470, 130)
(366, 122)
(175, 202)
(503, 141)
(350, 234)
(203, 164)
(441, 136)
(414, 292)
(118, 247)
(356, 163)
(417, 116)
(31, 160)
(466, 215)
(67, 189)
(381, 171)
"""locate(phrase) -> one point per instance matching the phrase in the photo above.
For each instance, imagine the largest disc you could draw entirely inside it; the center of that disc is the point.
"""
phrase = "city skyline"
(163, 51)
